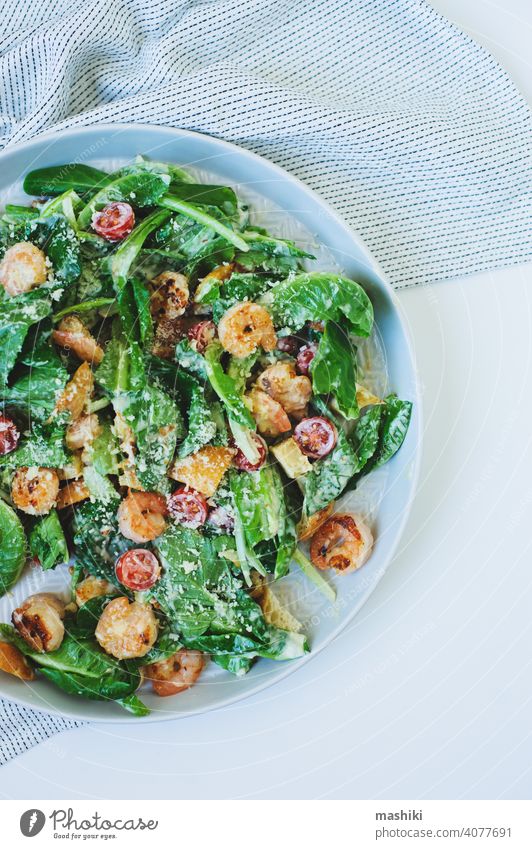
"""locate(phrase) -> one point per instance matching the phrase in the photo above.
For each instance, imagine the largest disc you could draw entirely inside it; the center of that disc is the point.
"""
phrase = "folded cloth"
(22, 728)
(410, 129)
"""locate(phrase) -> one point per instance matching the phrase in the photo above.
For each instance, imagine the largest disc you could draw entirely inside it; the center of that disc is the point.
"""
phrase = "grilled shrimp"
(92, 587)
(39, 621)
(34, 490)
(291, 390)
(72, 334)
(77, 392)
(141, 516)
(168, 302)
(126, 629)
(176, 673)
(72, 493)
(22, 268)
(80, 433)
(244, 327)
(270, 417)
(342, 543)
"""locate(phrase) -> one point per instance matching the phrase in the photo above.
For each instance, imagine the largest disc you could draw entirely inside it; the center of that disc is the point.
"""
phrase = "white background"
(427, 694)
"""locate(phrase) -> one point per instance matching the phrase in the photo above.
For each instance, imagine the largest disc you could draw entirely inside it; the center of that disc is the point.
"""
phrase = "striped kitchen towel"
(22, 728)
(410, 129)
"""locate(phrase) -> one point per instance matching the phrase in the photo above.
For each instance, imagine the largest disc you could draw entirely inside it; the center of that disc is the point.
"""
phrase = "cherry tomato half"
(188, 507)
(202, 333)
(114, 221)
(305, 357)
(221, 518)
(9, 435)
(316, 436)
(288, 345)
(241, 461)
(138, 569)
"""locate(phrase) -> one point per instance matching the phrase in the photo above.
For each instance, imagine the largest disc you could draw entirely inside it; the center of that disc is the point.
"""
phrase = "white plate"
(288, 208)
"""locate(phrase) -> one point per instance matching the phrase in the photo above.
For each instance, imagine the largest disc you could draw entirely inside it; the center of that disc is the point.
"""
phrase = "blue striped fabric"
(410, 129)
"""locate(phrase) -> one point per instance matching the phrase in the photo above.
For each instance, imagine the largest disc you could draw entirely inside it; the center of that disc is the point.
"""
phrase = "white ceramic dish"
(385, 495)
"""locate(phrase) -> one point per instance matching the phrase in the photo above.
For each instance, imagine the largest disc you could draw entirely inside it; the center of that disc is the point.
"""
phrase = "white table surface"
(427, 695)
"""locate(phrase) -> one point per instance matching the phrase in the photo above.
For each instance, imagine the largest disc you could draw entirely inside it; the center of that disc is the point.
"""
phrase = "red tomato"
(221, 518)
(288, 344)
(202, 333)
(241, 461)
(316, 436)
(9, 435)
(138, 569)
(305, 357)
(114, 221)
(188, 507)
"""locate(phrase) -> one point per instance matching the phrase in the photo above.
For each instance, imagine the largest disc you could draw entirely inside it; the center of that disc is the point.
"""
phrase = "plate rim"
(295, 665)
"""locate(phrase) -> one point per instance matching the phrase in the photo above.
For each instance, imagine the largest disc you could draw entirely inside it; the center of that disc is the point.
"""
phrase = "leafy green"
(97, 541)
(65, 204)
(57, 238)
(226, 387)
(379, 434)
(104, 450)
(57, 179)
(165, 646)
(47, 541)
(99, 486)
(365, 436)
(239, 287)
(333, 369)
(87, 616)
(42, 446)
(320, 296)
(237, 664)
(329, 476)
(207, 605)
(35, 392)
(201, 426)
(203, 195)
(142, 164)
(394, 426)
(80, 667)
(14, 214)
(257, 497)
(86, 306)
(156, 423)
(189, 393)
(133, 705)
(143, 189)
(172, 202)
(12, 547)
(277, 255)
(122, 368)
(17, 315)
(129, 248)
(134, 310)
(314, 575)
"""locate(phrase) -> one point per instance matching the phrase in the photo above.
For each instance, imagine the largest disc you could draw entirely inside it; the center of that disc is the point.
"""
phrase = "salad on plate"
(182, 407)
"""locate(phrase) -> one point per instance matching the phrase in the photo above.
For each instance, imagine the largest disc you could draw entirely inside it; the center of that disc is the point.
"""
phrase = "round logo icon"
(32, 822)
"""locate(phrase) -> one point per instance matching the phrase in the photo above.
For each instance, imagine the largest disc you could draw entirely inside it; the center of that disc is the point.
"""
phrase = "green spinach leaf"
(319, 296)
(333, 369)
(47, 541)
(12, 548)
